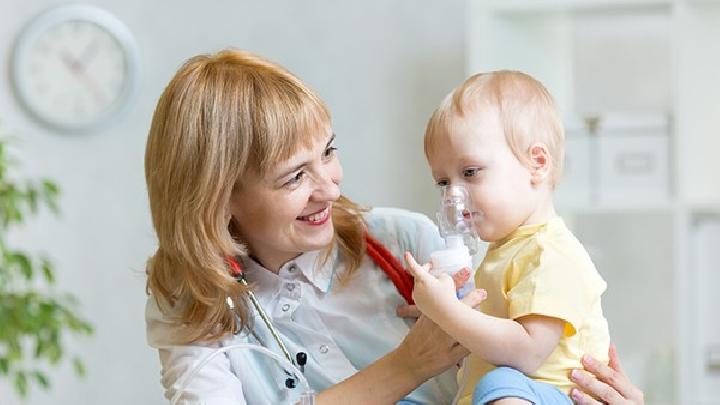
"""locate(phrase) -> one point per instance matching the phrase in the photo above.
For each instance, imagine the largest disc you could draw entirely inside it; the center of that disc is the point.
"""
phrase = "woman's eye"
(295, 180)
(329, 152)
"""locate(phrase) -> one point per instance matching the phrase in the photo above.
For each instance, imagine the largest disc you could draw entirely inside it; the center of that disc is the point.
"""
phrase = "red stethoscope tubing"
(382, 257)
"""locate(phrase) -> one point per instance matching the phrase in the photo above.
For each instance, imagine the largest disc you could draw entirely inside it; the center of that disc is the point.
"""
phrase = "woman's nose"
(327, 185)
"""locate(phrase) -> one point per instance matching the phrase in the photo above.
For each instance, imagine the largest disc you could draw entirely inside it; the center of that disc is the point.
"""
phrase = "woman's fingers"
(408, 311)
(597, 388)
(614, 359)
(616, 379)
(582, 398)
(622, 382)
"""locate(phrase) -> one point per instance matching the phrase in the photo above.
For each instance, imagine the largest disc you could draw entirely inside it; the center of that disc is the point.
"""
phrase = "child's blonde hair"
(527, 112)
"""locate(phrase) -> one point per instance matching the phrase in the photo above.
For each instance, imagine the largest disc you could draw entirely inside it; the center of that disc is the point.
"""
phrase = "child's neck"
(544, 211)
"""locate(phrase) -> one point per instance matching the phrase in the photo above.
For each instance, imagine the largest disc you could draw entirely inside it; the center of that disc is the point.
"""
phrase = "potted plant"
(34, 317)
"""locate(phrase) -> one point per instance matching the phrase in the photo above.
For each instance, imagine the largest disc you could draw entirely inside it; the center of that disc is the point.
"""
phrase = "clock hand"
(89, 52)
(78, 70)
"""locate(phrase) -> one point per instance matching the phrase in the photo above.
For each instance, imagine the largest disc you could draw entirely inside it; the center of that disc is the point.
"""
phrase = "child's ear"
(540, 163)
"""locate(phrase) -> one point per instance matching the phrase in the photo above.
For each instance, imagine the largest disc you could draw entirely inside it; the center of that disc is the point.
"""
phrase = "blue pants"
(506, 382)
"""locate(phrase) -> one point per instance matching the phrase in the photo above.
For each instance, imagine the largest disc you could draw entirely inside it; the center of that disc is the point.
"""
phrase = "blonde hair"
(222, 117)
(527, 112)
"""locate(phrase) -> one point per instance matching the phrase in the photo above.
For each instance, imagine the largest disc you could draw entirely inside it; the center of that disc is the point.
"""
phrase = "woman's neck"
(273, 262)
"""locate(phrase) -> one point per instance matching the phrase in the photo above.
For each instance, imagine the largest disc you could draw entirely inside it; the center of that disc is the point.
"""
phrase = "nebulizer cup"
(455, 220)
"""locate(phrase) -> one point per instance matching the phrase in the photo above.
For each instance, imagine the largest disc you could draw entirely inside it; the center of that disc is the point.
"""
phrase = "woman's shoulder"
(403, 230)
(390, 217)
(161, 327)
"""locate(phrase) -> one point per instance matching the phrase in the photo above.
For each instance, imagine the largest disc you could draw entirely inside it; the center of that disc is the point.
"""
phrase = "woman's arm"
(607, 383)
(425, 352)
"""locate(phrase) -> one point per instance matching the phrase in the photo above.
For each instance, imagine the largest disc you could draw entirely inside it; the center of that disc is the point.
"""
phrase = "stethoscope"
(300, 357)
(382, 257)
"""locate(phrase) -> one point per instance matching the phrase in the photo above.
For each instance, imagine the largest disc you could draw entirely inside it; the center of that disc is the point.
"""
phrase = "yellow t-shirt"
(543, 270)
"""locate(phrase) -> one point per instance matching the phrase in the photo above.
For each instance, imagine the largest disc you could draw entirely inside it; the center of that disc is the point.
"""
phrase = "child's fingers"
(415, 269)
(461, 277)
(474, 297)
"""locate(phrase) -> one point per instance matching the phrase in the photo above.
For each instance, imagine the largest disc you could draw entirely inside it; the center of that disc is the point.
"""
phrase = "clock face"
(74, 68)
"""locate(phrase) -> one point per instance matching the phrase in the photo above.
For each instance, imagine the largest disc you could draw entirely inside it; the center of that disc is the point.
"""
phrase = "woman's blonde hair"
(527, 112)
(222, 117)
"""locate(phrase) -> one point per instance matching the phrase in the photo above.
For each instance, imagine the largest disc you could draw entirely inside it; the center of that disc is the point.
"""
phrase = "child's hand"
(430, 293)
(459, 278)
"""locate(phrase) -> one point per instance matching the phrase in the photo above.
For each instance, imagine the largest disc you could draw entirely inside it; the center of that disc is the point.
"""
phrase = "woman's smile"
(316, 218)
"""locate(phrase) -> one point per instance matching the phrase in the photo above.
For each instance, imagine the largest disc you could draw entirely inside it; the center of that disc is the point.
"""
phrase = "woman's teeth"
(317, 217)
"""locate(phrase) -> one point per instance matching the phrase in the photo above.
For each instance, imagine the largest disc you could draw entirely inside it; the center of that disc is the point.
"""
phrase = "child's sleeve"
(550, 283)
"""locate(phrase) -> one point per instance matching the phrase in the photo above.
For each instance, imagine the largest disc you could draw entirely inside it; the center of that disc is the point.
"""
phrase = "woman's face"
(288, 210)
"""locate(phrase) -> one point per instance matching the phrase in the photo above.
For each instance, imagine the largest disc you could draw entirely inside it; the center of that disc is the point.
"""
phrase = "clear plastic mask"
(455, 216)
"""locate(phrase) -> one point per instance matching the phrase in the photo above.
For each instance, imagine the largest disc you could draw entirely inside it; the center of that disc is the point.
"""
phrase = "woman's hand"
(601, 383)
(412, 311)
(427, 350)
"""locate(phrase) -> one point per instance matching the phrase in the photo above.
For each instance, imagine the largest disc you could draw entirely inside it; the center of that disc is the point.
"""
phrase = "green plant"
(34, 318)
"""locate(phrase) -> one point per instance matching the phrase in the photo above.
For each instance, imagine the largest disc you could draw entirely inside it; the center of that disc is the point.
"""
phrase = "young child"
(499, 135)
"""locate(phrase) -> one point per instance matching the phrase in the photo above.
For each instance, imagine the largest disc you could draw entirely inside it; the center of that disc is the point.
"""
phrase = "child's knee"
(510, 401)
(501, 384)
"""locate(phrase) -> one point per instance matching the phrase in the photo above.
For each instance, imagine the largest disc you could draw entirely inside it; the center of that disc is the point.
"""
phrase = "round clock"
(75, 67)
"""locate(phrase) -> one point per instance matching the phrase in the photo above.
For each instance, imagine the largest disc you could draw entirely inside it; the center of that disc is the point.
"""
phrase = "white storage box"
(634, 167)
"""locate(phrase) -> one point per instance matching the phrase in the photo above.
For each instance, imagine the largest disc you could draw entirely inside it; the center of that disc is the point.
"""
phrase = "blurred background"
(637, 83)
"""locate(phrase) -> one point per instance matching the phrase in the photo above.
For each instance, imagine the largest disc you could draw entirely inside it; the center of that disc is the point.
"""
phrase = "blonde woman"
(240, 163)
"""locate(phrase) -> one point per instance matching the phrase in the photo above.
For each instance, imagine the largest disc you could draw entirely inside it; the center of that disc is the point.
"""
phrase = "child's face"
(476, 155)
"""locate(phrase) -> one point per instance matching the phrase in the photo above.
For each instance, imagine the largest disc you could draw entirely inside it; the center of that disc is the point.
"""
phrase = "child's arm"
(523, 344)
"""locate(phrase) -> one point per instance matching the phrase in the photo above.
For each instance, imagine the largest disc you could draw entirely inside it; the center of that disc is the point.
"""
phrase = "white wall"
(381, 66)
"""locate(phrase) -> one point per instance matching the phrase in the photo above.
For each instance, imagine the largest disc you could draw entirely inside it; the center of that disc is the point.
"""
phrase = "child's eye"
(472, 171)
(329, 153)
(295, 180)
(442, 182)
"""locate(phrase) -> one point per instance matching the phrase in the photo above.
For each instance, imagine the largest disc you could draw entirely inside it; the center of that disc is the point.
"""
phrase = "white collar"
(311, 264)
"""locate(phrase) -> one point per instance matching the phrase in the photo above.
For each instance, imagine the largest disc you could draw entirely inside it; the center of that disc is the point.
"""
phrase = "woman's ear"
(540, 163)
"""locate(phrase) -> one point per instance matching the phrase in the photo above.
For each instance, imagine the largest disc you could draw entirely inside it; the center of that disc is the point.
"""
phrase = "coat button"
(323, 349)
(286, 307)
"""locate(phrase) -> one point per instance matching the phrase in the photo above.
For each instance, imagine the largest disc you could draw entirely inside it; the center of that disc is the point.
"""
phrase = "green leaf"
(32, 198)
(23, 263)
(50, 194)
(79, 367)
(41, 379)
(47, 270)
(21, 383)
(4, 366)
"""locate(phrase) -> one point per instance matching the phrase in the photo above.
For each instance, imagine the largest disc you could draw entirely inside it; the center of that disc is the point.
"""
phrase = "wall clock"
(74, 68)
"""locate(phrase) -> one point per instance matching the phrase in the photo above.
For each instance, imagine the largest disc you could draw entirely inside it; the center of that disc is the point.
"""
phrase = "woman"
(240, 163)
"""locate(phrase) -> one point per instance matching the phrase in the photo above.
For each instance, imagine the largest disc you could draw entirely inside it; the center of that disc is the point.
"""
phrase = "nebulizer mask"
(455, 219)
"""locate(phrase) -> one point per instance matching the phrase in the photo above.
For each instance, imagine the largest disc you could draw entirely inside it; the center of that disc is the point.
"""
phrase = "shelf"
(529, 6)
(619, 208)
